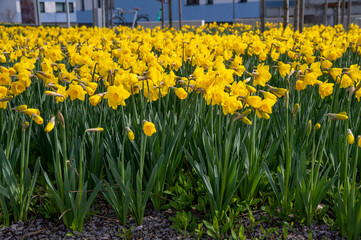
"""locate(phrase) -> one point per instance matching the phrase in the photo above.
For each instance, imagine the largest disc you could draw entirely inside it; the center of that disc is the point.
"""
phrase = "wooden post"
(111, 12)
(162, 13)
(338, 12)
(349, 13)
(286, 13)
(302, 14)
(180, 13)
(325, 8)
(170, 15)
(262, 14)
(108, 13)
(296, 15)
(343, 13)
(94, 13)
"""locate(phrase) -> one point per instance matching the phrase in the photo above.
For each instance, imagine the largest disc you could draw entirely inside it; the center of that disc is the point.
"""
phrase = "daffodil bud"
(246, 120)
(246, 112)
(295, 109)
(26, 125)
(339, 116)
(342, 116)
(181, 93)
(98, 129)
(359, 141)
(20, 108)
(287, 99)
(309, 128)
(350, 137)
(317, 126)
(61, 119)
(39, 120)
(50, 125)
(130, 134)
(53, 94)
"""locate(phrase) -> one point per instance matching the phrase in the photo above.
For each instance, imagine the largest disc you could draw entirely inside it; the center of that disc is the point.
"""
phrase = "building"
(53, 12)
(34, 12)
(208, 10)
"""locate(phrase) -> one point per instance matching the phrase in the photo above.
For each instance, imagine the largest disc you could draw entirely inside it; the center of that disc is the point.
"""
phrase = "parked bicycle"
(120, 18)
(159, 18)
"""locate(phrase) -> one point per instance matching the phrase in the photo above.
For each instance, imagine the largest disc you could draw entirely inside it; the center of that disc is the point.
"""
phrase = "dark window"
(42, 7)
(71, 7)
(209, 1)
(192, 2)
(82, 5)
(60, 7)
(99, 4)
(242, 1)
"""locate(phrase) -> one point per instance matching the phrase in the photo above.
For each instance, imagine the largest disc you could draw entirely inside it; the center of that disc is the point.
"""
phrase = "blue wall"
(208, 12)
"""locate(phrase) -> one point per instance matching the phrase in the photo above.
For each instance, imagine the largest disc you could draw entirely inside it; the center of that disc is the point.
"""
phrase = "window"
(242, 1)
(60, 7)
(42, 7)
(192, 2)
(71, 7)
(209, 1)
(82, 5)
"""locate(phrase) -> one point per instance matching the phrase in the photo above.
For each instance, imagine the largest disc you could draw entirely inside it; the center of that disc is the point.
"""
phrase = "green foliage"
(182, 222)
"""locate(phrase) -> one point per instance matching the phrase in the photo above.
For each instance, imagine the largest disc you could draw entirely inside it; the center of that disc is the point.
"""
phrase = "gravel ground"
(157, 225)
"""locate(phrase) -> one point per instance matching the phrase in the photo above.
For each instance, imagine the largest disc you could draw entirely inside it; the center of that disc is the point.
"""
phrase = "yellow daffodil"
(50, 125)
(149, 128)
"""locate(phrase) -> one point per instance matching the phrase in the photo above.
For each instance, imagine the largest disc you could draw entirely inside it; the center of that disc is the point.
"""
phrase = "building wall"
(10, 11)
(219, 11)
(51, 16)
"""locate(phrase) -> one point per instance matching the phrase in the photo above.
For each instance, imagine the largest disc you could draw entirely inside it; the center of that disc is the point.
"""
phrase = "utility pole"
(111, 12)
(343, 13)
(107, 13)
(180, 13)
(94, 13)
(302, 14)
(349, 13)
(103, 13)
(296, 15)
(286, 13)
(37, 12)
(162, 13)
(262, 14)
(170, 10)
(325, 8)
(67, 13)
(338, 11)
(234, 9)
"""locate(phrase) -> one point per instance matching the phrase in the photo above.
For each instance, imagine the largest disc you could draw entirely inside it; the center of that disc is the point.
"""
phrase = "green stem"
(22, 169)
(65, 158)
(287, 163)
(142, 157)
(345, 163)
(1, 120)
(58, 163)
(28, 147)
(354, 174)
(80, 167)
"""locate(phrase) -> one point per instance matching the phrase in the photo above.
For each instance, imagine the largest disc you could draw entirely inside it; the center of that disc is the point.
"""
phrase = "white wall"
(9, 11)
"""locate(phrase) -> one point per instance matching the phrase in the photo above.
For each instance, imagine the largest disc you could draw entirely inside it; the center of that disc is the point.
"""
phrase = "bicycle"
(119, 19)
(159, 18)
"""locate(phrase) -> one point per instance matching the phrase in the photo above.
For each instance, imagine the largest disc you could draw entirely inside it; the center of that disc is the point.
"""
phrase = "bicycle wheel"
(118, 21)
(141, 19)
